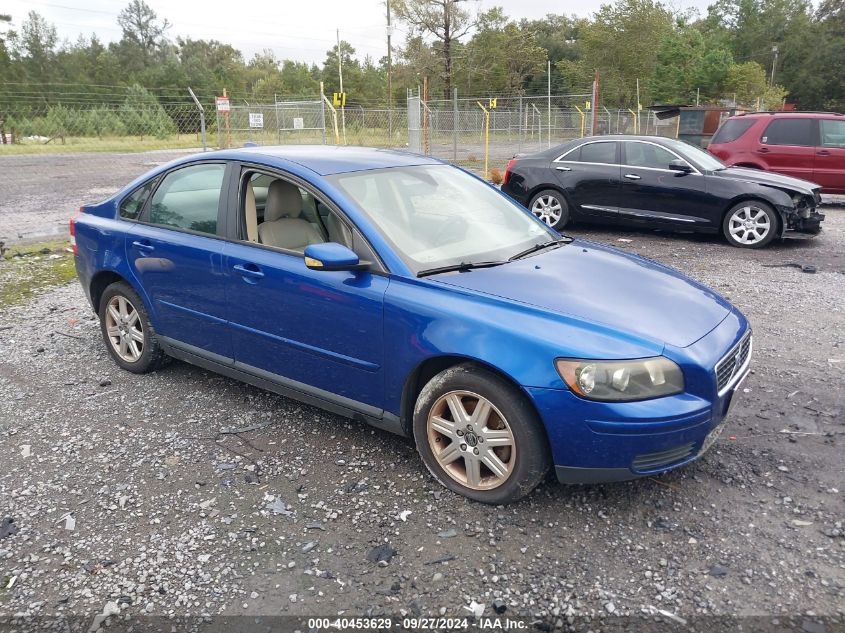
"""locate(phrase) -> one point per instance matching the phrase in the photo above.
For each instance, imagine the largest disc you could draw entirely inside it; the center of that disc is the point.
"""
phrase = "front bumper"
(598, 442)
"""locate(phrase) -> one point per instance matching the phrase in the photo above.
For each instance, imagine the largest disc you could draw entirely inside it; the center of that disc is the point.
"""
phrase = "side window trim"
(671, 151)
(237, 228)
(144, 216)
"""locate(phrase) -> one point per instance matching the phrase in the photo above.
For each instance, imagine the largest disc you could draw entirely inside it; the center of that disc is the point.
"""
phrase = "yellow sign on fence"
(492, 103)
(339, 99)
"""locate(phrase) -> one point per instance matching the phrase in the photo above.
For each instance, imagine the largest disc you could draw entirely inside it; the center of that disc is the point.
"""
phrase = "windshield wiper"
(459, 267)
(540, 247)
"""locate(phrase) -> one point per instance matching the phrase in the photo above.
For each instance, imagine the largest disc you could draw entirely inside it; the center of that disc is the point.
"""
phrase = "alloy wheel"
(548, 209)
(124, 329)
(749, 225)
(471, 440)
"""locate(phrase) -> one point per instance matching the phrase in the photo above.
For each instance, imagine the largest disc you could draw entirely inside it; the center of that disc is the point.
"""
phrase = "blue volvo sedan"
(408, 294)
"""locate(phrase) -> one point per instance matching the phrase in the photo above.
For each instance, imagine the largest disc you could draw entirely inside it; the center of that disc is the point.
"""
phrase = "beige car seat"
(283, 226)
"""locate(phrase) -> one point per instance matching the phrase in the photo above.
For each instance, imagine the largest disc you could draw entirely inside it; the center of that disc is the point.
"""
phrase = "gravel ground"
(132, 494)
(41, 192)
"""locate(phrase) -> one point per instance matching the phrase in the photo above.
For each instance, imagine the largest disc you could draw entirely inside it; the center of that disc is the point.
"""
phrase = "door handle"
(143, 246)
(823, 152)
(564, 168)
(763, 150)
(244, 270)
(632, 177)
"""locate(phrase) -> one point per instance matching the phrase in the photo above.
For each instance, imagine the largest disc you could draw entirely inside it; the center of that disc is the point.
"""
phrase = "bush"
(496, 177)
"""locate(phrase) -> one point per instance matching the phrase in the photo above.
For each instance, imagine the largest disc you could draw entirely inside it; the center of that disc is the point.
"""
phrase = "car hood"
(769, 179)
(599, 284)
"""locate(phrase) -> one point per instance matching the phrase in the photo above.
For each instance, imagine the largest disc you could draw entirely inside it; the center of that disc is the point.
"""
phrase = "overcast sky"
(295, 29)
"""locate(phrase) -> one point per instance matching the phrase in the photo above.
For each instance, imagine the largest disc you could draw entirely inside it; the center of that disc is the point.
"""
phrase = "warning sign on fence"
(256, 119)
(222, 104)
(298, 123)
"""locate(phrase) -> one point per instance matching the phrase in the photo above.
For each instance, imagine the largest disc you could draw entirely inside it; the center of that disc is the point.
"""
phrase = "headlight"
(620, 380)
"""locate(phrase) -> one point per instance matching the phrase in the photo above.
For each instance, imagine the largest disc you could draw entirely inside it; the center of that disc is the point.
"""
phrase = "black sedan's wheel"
(750, 224)
(127, 331)
(550, 206)
(479, 436)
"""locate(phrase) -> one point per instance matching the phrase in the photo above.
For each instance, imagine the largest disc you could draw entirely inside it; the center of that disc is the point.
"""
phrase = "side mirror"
(680, 166)
(332, 256)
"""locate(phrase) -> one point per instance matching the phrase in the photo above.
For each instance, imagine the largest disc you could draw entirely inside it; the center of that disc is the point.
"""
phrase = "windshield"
(436, 215)
(701, 158)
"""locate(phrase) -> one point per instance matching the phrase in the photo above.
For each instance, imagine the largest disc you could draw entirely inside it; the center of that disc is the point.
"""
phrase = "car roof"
(332, 159)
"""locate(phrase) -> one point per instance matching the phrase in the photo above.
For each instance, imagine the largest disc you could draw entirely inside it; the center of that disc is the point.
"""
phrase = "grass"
(27, 269)
(106, 144)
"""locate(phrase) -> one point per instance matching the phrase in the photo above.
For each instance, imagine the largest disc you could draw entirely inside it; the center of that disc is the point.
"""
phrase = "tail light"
(73, 231)
(511, 163)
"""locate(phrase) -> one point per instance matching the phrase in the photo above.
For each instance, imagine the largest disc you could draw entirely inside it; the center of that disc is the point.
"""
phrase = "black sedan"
(661, 183)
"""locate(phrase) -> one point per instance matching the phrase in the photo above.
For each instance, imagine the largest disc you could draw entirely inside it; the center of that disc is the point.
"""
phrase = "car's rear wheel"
(550, 206)
(127, 331)
(750, 224)
(479, 436)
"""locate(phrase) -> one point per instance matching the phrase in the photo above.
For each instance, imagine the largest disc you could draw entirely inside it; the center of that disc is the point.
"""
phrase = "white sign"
(256, 119)
(298, 123)
(222, 104)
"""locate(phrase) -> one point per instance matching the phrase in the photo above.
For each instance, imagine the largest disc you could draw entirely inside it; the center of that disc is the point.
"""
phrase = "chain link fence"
(53, 158)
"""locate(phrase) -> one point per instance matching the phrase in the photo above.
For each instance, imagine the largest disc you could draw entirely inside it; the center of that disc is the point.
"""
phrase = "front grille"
(732, 362)
(652, 461)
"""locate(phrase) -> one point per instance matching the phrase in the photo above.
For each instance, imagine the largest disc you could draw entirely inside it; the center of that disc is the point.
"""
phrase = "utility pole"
(340, 77)
(389, 61)
(389, 77)
(774, 63)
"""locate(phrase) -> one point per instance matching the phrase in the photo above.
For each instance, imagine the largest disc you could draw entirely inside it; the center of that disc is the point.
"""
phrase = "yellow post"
(581, 112)
(678, 126)
(486, 138)
(636, 121)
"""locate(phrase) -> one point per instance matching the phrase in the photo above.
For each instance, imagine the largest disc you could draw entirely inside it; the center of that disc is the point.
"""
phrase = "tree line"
(755, 53)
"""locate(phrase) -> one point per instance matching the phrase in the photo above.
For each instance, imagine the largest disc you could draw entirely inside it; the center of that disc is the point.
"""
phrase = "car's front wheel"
(750, 224)
(550, 206)
(127, 331)
(479, 436)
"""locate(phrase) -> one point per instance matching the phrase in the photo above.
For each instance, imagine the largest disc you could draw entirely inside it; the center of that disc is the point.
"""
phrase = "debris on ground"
(383, 553)
(8, 527)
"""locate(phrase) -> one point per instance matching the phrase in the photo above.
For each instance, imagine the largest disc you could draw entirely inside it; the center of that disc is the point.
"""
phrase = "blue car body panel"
(354, 340)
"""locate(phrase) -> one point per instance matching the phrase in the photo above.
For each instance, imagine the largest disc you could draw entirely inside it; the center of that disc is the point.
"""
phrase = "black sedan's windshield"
(437, 216)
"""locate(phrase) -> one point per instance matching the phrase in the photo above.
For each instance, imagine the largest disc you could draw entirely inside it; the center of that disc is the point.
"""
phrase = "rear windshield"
(731, 130)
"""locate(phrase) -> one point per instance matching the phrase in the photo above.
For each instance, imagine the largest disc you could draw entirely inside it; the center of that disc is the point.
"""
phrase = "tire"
(510, 437)
(750, 224)
(127, 332)
(550, 206)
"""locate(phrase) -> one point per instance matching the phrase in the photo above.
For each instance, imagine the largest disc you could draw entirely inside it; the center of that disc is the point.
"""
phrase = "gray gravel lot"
(39, 193)
(172, 515)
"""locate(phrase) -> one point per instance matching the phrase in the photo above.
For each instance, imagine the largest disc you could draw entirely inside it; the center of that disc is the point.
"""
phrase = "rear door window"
(602, 152)
(189, 198)
(833, 132)
(731, 130)
(789, 132)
